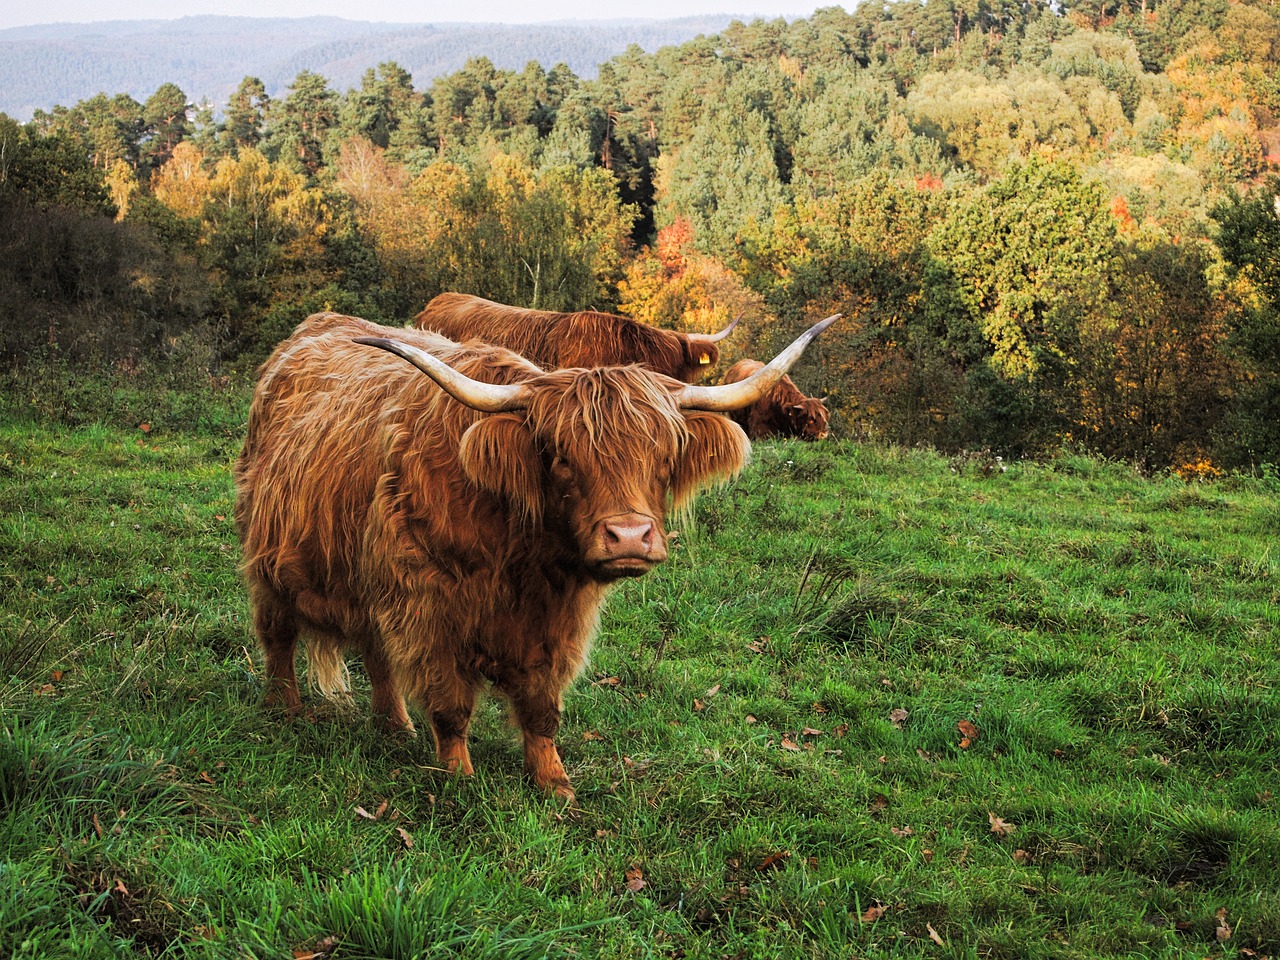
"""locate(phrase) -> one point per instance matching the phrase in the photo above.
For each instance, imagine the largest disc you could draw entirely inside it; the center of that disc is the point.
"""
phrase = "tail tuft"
(327, 669)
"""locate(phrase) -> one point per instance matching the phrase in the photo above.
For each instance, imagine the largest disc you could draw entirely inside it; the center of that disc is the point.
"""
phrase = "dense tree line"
(1044, 226)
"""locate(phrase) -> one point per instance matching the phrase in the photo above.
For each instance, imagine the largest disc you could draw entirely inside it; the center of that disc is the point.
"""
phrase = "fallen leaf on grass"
(758, 646)
(698, 705)
(1223, 931)
(635, 879)
(878, 803)
(969, 733)
(606, 682)
(713, 690)
(405, 838)
(1001, 828)
(904, 832)
(933, 935)
(376, 815)
(590, 735)
(320, 951)
(1021, 857)
(839, 730)
(789, 744)
(773, 861)
(898, 717)
(636, 770)
(872, 913)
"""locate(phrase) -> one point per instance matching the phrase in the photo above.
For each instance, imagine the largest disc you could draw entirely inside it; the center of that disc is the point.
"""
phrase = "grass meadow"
(880, 703)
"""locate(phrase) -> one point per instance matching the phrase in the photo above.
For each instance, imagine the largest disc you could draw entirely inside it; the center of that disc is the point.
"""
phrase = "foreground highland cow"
(782, 412)
(460, 524)
(585, 338)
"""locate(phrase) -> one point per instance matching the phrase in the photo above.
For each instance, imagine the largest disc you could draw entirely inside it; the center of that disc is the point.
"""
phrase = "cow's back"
(583, 338)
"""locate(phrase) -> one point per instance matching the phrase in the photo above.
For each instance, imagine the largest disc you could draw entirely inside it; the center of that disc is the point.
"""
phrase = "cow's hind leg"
(388, 703)
(277, 629)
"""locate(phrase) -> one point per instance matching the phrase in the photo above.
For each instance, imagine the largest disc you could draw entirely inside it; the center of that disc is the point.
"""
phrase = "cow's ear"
(498, 455)
(717, 450)
(702, 354)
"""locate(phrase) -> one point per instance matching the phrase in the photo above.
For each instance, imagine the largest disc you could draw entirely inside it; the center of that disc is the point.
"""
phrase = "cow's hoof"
(399, 731)
(282, 704)
(460, 767)
(559, 790)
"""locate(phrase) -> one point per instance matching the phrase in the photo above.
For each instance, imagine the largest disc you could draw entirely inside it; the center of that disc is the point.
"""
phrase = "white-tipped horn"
(486, 397)
(735, 396)
(716, 337)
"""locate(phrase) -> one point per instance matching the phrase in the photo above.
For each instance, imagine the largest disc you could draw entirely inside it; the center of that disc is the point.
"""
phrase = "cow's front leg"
(538, 713)
(449, 703)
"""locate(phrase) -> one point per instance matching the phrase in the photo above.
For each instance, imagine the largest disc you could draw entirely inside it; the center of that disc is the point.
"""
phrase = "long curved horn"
(735, 396)
(485, 397)
(716, 337)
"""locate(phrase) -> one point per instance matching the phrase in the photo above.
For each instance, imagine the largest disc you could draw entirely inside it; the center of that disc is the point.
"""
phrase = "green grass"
(1112, 639)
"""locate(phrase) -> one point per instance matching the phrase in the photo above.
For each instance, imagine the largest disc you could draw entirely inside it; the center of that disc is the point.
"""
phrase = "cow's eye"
(561, 470)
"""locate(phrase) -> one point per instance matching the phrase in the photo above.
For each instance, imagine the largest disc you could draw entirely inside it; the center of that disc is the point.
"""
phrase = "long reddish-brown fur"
(451, 549)
(783, 412)
(585, 338)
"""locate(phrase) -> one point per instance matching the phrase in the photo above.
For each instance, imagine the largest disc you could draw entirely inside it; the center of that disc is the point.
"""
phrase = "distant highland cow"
(585, 338)
(783, 412)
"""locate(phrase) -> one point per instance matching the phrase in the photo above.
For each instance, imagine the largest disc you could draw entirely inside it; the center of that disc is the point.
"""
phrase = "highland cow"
(457, 520)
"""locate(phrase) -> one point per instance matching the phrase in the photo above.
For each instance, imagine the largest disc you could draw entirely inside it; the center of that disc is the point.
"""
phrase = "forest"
(1047, 227)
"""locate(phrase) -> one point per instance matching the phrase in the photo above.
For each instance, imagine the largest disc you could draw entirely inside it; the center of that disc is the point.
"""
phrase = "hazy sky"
(24, 12)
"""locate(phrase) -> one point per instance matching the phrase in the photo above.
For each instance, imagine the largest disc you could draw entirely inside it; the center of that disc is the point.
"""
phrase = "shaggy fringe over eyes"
(612, 406)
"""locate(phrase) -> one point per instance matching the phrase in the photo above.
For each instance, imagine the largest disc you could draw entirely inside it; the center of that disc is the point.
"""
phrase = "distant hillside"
(207, 56)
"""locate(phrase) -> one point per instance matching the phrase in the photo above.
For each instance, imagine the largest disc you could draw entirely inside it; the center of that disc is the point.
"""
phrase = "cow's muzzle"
(626, 545)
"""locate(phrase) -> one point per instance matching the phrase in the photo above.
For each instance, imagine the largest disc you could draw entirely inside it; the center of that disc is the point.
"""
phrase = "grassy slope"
(744, 789)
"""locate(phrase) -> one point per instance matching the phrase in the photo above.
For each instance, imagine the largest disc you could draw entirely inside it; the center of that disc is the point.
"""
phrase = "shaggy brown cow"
(463, 527)
(582, 339)
(783, 412)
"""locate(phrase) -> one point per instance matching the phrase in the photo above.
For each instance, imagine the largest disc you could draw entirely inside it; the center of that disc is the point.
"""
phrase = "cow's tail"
(327, 669)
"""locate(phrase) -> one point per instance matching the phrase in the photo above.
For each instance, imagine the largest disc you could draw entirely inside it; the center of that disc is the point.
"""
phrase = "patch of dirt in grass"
(111, 895)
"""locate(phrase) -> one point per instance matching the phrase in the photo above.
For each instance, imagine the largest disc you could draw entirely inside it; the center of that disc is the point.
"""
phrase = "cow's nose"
(629, 539)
